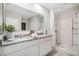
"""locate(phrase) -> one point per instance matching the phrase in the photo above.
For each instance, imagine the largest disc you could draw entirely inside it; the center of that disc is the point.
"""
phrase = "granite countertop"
(18, 40)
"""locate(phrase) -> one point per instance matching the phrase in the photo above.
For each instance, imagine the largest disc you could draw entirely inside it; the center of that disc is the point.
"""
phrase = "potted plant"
(10, 28)
(8, 31)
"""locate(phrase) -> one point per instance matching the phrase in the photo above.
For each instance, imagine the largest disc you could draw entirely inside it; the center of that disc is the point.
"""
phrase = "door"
(66, 32)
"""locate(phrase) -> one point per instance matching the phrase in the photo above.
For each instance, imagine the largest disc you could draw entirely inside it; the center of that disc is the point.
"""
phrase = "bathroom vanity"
(33, 47)
(24, 20)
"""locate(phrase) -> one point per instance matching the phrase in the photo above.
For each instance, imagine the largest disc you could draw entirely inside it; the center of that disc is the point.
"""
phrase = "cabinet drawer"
(45, 39)
(15, 47)
(22, 52)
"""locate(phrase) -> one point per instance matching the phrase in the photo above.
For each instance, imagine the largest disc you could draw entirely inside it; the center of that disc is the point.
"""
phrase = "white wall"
(28, 24)
(52, 27)
(58, 28)
(51, 22)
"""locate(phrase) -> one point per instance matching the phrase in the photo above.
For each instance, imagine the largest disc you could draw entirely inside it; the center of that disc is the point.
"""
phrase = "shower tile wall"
(75, 31)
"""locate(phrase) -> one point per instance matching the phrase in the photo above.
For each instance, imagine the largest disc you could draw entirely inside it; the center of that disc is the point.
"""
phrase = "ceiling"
(54, 6)
(58, 6)
(20, 11)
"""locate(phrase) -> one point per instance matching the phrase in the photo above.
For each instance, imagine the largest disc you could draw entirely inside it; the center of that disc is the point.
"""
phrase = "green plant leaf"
(9, 28)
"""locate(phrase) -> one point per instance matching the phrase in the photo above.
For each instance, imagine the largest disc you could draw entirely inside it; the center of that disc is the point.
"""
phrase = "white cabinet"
(37, 47)
(33, 51)
(30, 51)
(19, 53)
(46, 46)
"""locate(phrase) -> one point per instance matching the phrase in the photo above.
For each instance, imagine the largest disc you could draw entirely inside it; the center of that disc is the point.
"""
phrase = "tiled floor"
(52, 53)
(59, 52)
(62, 53)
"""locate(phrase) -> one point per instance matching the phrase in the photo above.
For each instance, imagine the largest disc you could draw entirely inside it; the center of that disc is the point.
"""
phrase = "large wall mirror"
(20, 20)
(23, 19)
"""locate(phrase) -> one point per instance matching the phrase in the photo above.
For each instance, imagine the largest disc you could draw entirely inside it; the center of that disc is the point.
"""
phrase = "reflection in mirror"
(21, 21)
(16, 16)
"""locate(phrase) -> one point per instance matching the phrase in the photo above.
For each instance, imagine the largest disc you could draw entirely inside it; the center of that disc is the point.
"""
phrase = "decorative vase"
(9, 36)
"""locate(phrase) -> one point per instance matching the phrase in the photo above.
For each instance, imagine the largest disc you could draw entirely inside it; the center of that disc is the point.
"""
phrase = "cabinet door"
(33, 50)
(22, 52)
(45, 48)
